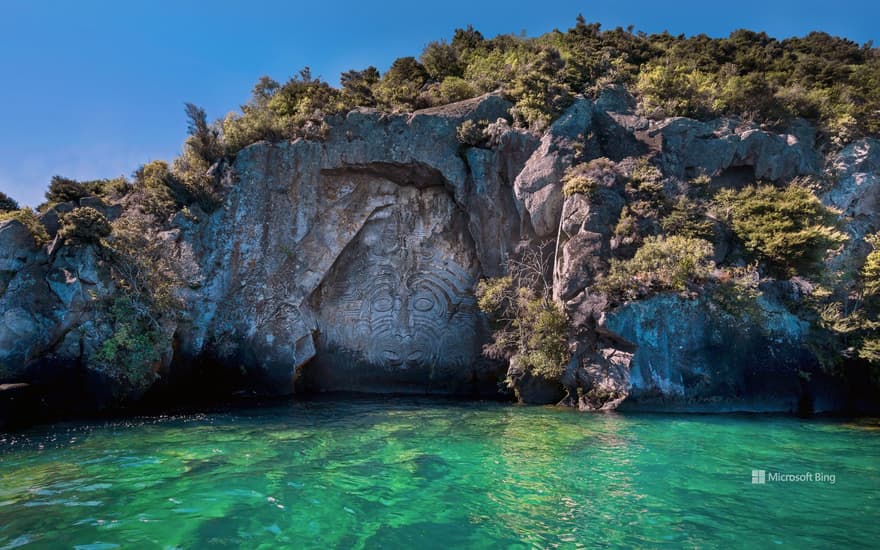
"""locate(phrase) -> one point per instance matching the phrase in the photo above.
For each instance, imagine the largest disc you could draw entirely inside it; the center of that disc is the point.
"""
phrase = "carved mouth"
(398, 358)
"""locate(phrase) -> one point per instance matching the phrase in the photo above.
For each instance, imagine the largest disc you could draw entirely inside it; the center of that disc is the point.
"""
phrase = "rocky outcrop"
(360, 271)
(351, 263)
(692, 355)
(538, 186)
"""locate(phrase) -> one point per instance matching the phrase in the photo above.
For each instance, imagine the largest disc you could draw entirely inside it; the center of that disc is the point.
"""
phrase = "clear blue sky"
(94, 88)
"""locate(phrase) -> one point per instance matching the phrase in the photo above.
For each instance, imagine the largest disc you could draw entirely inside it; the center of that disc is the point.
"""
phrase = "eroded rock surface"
(351, 264)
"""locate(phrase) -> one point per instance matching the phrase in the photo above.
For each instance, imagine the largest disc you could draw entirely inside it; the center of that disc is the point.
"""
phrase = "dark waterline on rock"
(405, 471)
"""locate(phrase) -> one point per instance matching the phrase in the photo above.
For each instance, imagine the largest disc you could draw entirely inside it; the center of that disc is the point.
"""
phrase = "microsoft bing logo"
(759, 477)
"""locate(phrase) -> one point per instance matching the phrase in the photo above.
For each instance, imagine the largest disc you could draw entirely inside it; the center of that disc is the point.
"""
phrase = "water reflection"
(363, 474)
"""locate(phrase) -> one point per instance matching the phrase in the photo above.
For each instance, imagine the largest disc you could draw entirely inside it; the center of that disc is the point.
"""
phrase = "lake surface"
(411, 473)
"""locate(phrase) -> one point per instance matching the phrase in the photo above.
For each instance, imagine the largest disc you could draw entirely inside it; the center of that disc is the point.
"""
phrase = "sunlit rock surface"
(351, 264)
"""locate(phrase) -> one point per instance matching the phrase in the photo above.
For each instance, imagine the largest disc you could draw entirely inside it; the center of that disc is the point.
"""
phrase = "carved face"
(403, 301)
(406, 320)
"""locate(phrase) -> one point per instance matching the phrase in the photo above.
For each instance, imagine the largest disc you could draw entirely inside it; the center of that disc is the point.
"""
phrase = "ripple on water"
(422, 473)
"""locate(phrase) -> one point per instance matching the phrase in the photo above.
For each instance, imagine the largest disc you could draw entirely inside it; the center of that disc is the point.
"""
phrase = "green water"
(434, 474)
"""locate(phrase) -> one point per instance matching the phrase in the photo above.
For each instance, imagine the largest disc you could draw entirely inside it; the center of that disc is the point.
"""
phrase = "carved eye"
(391, 355)
(383, 304)
(423, 304)
(415, 356)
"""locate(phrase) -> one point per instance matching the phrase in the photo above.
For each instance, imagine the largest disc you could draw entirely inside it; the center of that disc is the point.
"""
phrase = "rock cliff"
(350, 264)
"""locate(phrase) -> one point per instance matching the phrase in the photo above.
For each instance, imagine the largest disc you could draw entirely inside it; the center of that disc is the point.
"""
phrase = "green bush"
(84, 225)
(831, 81)
(786, 228)
(645, 181)
(453, 89)
(670, 88)
(526, 322)
(130, 355)
(157, 186)
(687, 220)
(661, 263)
(869, 347)
(400, 87)
(30, 220)
(63, 189)
(204, 138)
(539, 89)
(7, 204)
(440, 61)
(302, 99)
(587, 177)
(472, 133)
(357, 87)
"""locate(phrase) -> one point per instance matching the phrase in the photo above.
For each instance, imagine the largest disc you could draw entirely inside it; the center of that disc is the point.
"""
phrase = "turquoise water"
(435, 474)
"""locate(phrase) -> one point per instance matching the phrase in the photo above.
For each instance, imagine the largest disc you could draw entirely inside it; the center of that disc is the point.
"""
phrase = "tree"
(204, 139)
(400, 87)
(869, 349)
(441, 60)
(7, 204)
(464, 40)
(539, 89)
(158, 189)
(63, 189)
(357, 87)
(526, 323)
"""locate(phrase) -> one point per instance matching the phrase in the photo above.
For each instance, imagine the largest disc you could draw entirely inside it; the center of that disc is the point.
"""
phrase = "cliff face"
(351, 264)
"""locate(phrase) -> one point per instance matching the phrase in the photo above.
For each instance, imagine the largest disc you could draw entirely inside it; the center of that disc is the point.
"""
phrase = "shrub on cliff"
(357, 87)
(526, 322)
(63, 189)
(400, 87)
(686, 219)
(292, 110)
(301, 99)
(450, 90)
(200, 151)
(788, 229)
(440, 60)
(869, 346)
(587, 177)
(84, 225)
(539, 89)
(256, 122)
(661, 263)
(7, 204)
(157, 188)
(129, 356)
(204, 138)
(668, 88)
(146, 267)
(847, 319)
(472, 134)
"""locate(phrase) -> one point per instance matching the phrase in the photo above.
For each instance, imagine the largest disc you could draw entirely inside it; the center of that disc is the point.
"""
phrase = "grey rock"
(351, 264)
(16, 245)
(857, 193)
(531, 389)
(690, 147)
(693, 356)
(539, 184)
